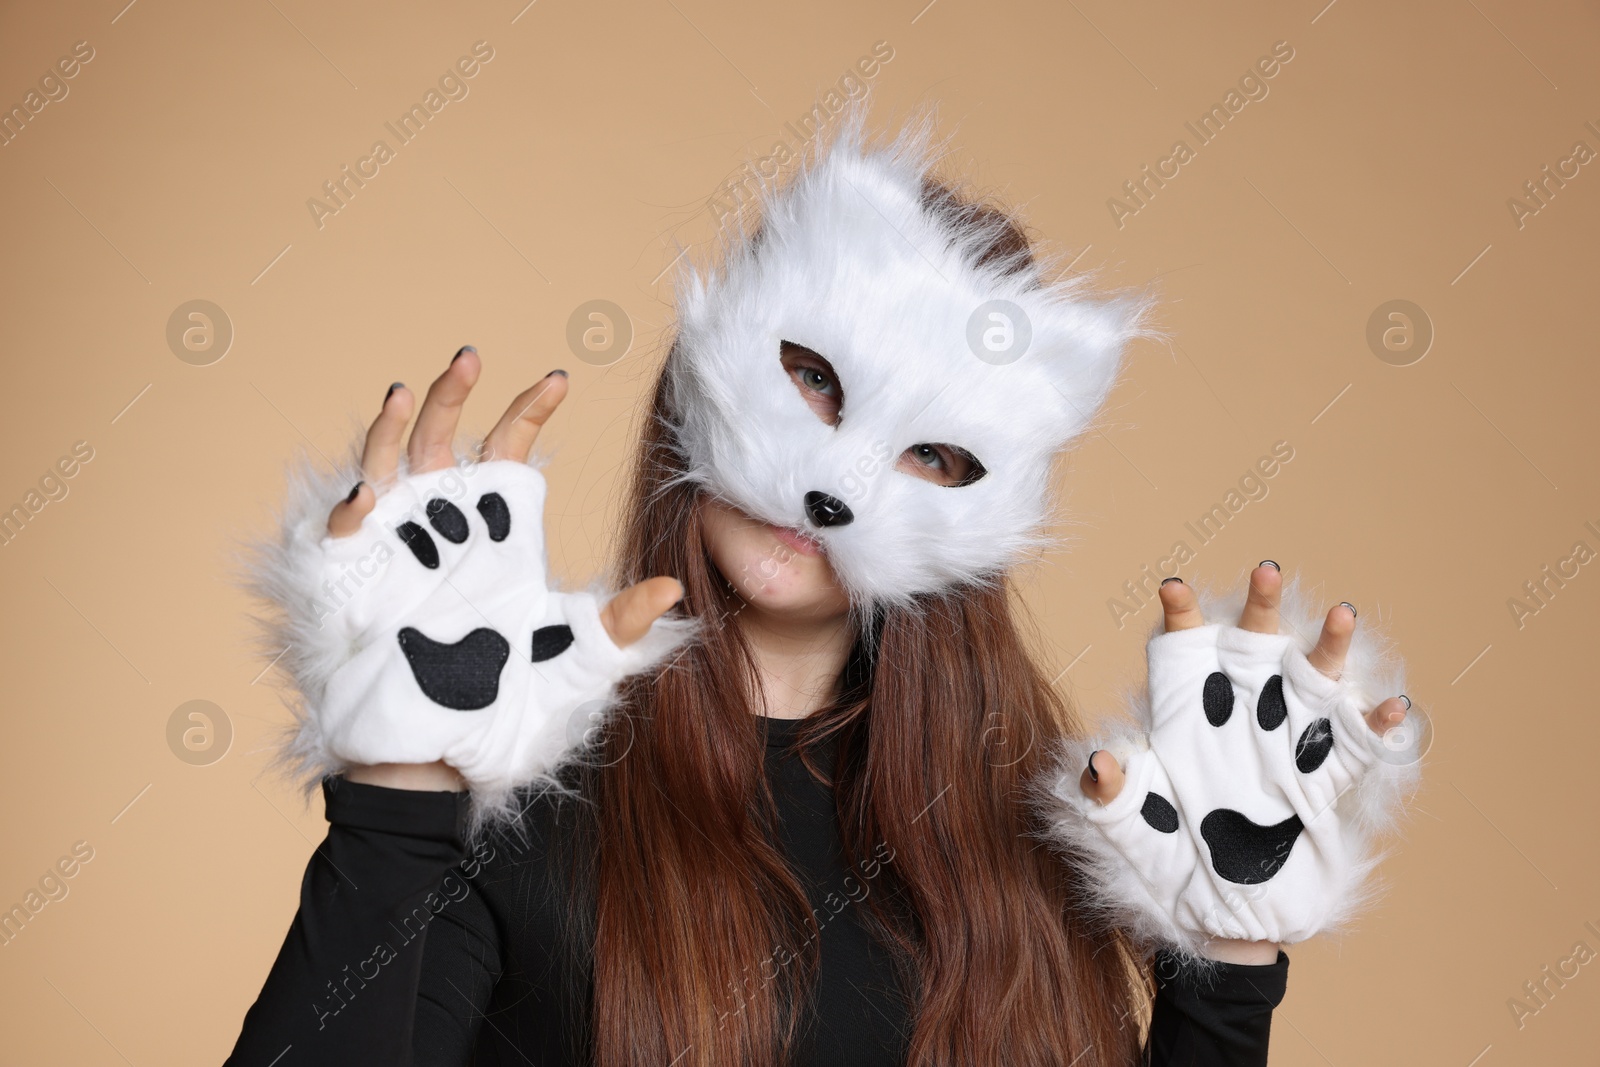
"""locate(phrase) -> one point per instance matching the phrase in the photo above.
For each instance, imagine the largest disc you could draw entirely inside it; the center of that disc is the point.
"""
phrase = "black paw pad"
(464, 676)
(1314, 746)
(1270, 708)
(1159, 813)
(420, 544)
(1218, 698)
(495, 512)
(1244, 853)
(447, 519)
(549, 642)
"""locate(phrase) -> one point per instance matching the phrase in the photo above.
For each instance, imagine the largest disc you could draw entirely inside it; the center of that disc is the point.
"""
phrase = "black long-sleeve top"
(410, 949)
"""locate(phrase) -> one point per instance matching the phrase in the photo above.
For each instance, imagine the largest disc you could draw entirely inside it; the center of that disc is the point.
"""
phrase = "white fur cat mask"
(931, 344)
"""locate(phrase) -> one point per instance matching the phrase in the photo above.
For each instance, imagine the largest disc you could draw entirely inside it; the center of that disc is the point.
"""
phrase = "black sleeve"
(462, 964)
(1219, 1016)
(344, 986)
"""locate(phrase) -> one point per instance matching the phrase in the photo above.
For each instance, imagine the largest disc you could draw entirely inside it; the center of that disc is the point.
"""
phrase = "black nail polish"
(563, 373)
(1347, 604)
(392, 388)
(1174, 578)
(464, 348)
(1270, 563)
(1407, 700)
(1094, 775)
(354, 492)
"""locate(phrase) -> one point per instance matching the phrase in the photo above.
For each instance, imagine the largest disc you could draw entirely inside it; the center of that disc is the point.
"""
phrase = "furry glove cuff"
(1251, 793)
(431, 634)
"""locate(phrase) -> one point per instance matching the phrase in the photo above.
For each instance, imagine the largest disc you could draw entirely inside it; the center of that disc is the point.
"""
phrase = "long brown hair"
(701, 953)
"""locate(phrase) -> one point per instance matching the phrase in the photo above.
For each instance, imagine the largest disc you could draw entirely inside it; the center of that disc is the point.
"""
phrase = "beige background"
(1378, 168)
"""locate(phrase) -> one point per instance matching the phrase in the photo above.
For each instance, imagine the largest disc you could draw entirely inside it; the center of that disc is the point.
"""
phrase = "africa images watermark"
(356, 571)
(52, 886)
(452, 85)
(53, 89)
(353, 978)
(1252, 86)
(1537, 592)
(1538, 192)
(1139, 593)
(746, 184)
(1552, 978)
(53, 488)
(855, 890)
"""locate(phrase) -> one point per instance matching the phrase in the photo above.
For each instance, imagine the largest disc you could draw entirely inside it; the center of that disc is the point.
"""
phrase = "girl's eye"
(941, 464)
(815, 379)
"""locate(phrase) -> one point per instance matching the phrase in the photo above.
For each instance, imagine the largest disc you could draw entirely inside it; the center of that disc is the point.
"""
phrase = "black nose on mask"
(826, 510)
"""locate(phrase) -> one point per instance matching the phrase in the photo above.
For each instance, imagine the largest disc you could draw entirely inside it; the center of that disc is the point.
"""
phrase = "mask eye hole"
(946, 465)
(816, 379)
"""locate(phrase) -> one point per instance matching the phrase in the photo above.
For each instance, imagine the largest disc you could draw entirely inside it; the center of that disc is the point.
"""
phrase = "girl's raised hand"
(1221, 825)
(1181, 611)
(629, 615)
(425, 639)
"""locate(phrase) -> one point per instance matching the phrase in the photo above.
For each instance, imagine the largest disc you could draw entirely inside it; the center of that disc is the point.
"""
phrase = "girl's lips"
(796, 540)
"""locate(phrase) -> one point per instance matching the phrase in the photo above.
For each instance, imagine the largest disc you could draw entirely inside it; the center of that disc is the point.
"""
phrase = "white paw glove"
(1251, 795)
(430, 633)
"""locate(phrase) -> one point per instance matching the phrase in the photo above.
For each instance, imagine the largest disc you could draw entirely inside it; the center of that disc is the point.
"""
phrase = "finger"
(430, 446)
(1102, 779)
(632, 612)
(381, 455)
(1179, 606)
(1261, 606)
(345, 519)
(1328, 656)
(1389, 714)
(513, 436)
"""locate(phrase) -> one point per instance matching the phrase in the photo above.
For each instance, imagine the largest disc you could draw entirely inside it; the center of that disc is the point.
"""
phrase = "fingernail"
(1347, 604)
(1094, 775)
(464, 348)
(563, 373)
(1407, 700)
(392, 388)
(1174, 578)
(354, 492)
(1270, 563)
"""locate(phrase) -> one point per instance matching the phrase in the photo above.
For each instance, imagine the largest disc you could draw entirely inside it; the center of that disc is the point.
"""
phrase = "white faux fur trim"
(277, 570)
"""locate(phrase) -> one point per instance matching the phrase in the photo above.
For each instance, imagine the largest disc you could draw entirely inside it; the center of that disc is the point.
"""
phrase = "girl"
(805, 819)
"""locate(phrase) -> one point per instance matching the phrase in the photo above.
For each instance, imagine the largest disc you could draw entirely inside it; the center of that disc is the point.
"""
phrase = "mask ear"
(1086, 357)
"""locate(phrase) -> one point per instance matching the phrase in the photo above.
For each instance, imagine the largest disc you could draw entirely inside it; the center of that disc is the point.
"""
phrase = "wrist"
(1248, 953)
(422, 777)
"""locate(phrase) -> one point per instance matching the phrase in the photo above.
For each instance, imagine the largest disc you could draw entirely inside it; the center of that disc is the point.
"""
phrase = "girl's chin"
(791, 582)
(797, 599)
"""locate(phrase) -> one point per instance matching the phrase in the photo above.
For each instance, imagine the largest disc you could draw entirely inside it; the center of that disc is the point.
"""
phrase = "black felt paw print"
(1243, 851)
(465, 675)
